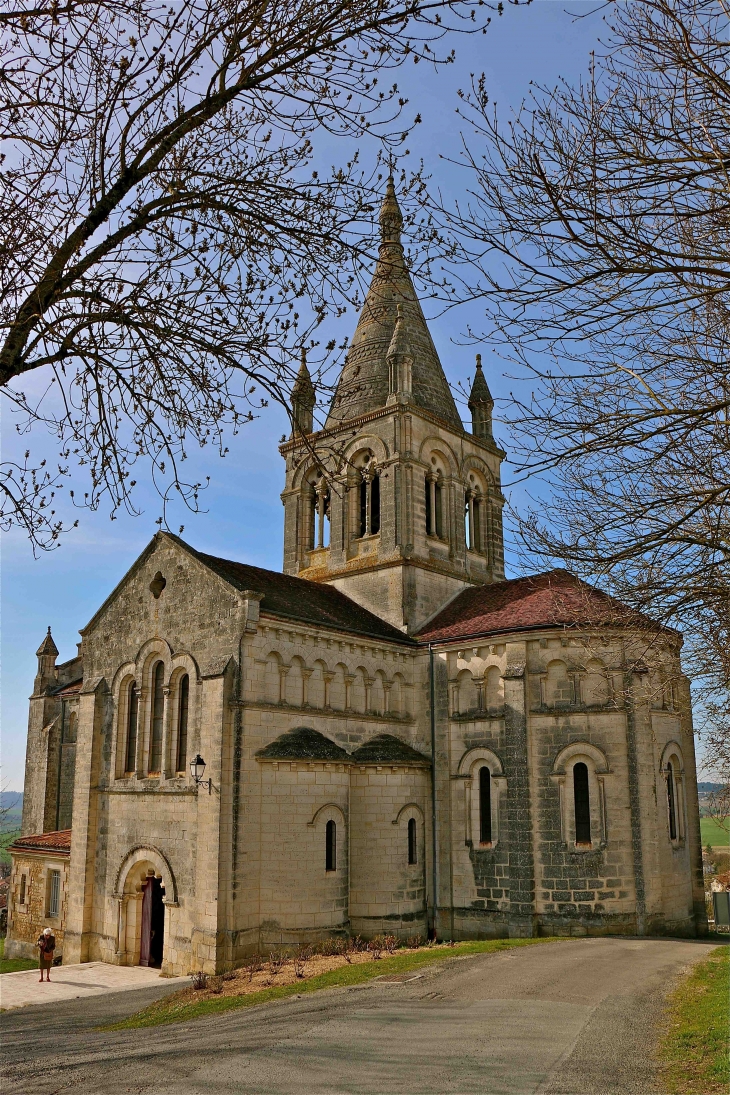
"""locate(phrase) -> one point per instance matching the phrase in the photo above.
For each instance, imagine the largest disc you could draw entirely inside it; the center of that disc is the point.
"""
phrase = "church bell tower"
(393, 502)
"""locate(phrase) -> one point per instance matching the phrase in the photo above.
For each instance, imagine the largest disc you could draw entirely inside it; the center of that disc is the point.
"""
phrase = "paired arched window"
(330, 844)
(582, 803)
(370, 502)
(130, 759)
(319, 514)
(472, 518)
(182, 722)
(485, 806)
(412, 842)
(672, 802)
(158, 707)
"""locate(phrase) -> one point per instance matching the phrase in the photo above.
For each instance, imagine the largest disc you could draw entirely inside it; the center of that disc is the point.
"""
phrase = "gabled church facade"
(395, 738)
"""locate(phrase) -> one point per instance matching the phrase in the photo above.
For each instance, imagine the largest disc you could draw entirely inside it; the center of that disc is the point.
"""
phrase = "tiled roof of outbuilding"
(71, 689)
(302, 744)
(387, 749)
(299, 599)
(554, 599)
(59, 842)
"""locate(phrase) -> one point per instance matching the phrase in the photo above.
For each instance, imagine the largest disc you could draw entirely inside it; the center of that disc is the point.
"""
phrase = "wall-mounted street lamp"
(197, 771)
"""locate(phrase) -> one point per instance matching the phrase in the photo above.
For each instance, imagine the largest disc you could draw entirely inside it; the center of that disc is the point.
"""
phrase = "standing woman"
(47, 944)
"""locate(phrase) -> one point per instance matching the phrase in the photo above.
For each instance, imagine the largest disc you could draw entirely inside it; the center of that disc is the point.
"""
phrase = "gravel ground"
(573, 1018)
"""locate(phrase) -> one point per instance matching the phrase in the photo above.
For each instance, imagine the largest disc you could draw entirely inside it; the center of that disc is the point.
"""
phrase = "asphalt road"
(577, 1017)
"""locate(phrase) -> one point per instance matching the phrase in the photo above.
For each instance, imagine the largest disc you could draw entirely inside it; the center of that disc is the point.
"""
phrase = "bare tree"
(598, 221)
(167, 245)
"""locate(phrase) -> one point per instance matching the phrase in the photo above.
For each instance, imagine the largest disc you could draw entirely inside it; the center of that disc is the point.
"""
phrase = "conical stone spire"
(481, 404)
(364, 382)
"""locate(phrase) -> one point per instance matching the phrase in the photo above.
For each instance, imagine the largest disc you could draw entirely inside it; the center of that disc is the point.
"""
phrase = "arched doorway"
(145, 890)
(152, 934)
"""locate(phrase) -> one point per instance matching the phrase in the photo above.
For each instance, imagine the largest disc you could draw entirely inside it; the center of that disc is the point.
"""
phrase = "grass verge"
(14, 965)
(172, 1010)
(694, 1051)
(713, 834)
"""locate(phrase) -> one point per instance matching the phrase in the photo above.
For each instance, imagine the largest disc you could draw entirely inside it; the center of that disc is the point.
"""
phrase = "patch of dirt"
(283, 972)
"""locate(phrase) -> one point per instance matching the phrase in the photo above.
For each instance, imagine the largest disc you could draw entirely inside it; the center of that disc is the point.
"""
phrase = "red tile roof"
(59, 843)
(554, 599)
(71, 689)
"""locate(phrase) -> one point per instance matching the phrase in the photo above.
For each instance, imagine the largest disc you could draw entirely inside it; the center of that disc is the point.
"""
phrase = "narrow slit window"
(375, 505)
(671, 802)
(485, 806)
(582, 801)
(412, 845)
(182, 723)
(312, 522)
(429, 513)
(439, 515)
(158, 706)
(23, 885)
(130, 763)
(363, 507)
(331, 846)
(54, 893)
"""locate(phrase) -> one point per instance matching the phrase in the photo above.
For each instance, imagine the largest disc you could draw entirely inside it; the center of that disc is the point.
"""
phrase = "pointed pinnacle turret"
(47, 647)
(399, 343)
(400, 362)
(481, 404)
(303, 398)
(46, 676)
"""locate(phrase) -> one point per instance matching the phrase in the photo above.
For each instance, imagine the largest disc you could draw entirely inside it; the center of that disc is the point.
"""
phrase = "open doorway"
(152, 939)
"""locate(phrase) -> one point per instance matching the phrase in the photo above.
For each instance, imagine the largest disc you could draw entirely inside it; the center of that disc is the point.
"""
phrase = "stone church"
(387, 737)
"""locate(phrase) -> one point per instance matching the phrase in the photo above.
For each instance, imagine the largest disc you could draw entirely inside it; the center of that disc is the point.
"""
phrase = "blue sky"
(244, 514)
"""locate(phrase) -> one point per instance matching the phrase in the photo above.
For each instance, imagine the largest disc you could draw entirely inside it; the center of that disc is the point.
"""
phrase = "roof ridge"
(551, 599)
(332, 600)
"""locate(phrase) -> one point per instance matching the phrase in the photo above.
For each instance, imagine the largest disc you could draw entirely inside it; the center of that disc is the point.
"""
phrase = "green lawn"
(694, 1051)
(713, 834)
(12, 965)
(173, 1009)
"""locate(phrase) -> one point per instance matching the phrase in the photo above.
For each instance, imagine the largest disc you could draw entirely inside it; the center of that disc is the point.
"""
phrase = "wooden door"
(144, 948)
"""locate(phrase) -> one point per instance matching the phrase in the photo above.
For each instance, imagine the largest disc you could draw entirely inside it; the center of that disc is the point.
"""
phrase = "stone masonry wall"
(387, 894)
(27, 921)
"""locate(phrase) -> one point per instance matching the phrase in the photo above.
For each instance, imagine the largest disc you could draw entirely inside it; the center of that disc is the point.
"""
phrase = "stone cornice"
(354, 425)
(348, 715)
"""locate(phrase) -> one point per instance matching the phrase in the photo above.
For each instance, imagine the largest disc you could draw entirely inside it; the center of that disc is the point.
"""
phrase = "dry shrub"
(300, 959)
(331, 947)
(215, 984)
(375, 946)
(253, 965)
(415, 941)
(276, 961)
(200, 980)
(390, 944)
